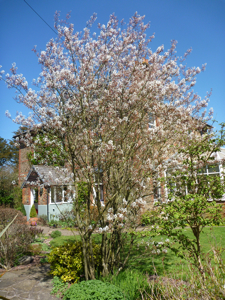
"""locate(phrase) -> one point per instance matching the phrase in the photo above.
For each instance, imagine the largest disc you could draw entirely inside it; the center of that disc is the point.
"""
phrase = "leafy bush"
(148, 216)
(67, 261)
(55, 234)
(93, 290)
(35, 249)
(22, 209)
(33, 213)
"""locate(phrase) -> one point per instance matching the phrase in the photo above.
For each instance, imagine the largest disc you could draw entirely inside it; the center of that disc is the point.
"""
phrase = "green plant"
(35, 249)
(55, 234)
(43, 260)
(52, 153)
(131, 282)
(59, 286)
(196, 287)
(33, 213)
(148, 216)
(22, 209)
(53, 223)
(67, 260)
(93, 290)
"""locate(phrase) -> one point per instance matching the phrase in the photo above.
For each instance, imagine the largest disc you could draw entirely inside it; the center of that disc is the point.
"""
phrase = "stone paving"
(27, 284)
(32, 283)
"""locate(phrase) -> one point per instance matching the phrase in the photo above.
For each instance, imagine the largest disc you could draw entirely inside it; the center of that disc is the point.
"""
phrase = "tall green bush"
(33, 213)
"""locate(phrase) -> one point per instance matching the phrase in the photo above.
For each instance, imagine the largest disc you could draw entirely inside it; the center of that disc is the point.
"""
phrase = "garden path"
(27, 284)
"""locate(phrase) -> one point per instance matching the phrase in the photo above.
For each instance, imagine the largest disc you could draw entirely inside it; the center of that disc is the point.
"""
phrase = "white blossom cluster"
(92, 106)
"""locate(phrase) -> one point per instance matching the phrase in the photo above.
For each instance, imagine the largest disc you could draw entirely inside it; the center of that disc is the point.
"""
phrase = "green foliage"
(33, 213)
(131, 282)
(22, 209)
(10, 194)
(191, 208)
(43, 260)
(67, 260)
(93, 290)
(55, 234)
(8, 153)
(82, 189)
(59, 286)
(51, 153)
(35, 249)
(148, 217)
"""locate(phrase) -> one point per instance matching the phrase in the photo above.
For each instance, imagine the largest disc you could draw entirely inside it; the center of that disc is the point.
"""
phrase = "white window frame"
(220, 173)
(63, 195)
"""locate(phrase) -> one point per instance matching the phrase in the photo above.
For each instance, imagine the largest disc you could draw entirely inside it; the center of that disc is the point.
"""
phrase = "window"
(98, 192)
(204, 183)
(62, 194)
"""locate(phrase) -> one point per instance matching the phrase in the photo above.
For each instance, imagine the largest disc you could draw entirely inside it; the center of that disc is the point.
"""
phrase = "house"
(42, 187)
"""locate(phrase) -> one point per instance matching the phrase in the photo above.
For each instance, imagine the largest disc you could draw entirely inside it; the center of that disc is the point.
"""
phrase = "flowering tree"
(191, 191)
(116, 111)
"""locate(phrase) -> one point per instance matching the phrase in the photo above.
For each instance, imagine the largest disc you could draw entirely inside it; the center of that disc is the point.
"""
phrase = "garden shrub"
(93, 290)
(22, 209)
(33, 213)
(35, 249)
(148, 216)
(8, 214)
(66, 261)
(55, 234)
(13, 244)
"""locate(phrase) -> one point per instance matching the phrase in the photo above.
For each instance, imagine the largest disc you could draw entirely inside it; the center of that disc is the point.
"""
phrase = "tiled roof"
(48, 176)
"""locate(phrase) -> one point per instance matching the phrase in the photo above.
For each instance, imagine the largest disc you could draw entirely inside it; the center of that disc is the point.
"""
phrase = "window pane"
(65, 194)
(213, 169)
(58, 194)
(52, 195)
(202, 170)
(101, 193)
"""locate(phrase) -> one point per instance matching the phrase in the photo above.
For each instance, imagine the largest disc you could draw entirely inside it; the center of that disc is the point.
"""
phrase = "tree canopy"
(116, 112)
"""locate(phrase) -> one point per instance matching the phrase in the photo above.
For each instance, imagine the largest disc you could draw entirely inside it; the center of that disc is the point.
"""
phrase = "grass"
(164, 262)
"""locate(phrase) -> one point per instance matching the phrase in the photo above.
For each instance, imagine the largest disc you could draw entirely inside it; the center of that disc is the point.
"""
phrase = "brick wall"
(24, 165)
(26, 196)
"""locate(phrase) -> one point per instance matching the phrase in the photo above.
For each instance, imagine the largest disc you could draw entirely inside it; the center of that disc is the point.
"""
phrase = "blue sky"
(199, 24)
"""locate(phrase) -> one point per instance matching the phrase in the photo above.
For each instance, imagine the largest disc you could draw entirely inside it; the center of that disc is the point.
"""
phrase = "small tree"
(191, 197)
(101, 98)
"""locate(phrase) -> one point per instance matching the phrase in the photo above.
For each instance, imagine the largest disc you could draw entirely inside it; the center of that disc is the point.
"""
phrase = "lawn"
(164, 263)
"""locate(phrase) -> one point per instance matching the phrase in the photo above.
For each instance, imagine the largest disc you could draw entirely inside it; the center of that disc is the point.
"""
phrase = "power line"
(41, 17)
